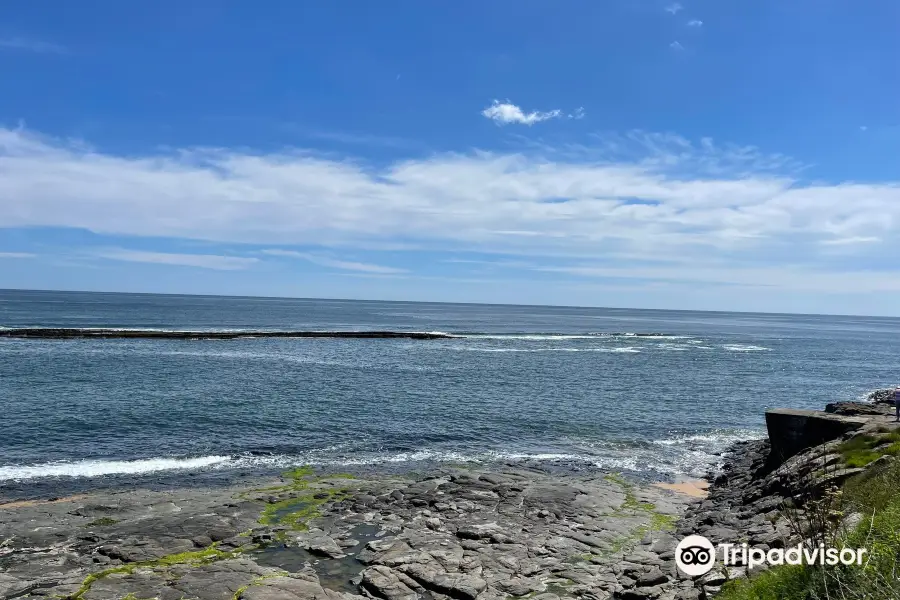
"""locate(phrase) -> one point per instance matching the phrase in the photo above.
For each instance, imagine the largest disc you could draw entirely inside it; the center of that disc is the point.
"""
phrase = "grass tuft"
(862, 450)
(872, 494)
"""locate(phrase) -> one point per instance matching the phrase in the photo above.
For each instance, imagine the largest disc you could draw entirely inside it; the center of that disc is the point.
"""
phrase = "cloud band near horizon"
(672, 198)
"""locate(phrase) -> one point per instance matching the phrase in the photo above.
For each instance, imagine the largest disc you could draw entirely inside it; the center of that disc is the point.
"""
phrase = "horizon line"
(578, 306)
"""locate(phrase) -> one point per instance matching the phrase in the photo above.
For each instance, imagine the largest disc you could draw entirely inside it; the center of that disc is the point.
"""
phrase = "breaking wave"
(745, 348)
(625, 350)
(686, 455)
(96, 468)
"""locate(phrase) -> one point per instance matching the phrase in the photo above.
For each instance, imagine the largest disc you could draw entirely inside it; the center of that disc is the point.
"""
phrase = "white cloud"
(649, 196)
(504, 113)
(851, 241)
(17, 255)
(334, 263)
(30, 45)
(205, 261)
(787, 278)
(674, 8)
(676, 46)
(695, 23)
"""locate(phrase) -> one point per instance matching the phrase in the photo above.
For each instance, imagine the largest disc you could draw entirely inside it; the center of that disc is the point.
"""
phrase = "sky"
(711, 155)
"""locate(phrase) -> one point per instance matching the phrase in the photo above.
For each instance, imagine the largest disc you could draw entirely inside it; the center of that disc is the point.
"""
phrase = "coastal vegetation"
(862, 450)
(863, 513)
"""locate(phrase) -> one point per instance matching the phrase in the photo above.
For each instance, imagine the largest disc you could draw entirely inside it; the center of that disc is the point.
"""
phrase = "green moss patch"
(194, 558)
(304, 500)
(632, 506)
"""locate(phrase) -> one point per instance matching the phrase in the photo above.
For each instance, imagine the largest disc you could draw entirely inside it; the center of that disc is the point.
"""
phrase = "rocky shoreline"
(458, 534)
(497, 533)
(747, 498)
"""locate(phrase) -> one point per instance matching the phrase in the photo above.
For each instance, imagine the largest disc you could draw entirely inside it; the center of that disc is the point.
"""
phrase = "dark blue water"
(524, 383)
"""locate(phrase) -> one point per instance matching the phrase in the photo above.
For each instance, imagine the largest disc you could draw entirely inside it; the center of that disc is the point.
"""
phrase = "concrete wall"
(791, 431)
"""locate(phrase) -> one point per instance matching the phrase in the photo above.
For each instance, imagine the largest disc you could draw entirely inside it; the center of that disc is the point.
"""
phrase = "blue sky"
(703, 154)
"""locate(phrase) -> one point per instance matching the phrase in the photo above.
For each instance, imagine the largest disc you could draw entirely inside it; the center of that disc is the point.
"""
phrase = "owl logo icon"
(695, 555)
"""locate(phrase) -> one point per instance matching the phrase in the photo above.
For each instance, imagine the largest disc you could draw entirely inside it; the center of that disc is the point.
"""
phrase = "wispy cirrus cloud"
(676, 45)
(787, 278)
(695, 23)
(203, 261)
(674, 8)
(334, 263)
(17, 255)
(28, 44)
(849, 241)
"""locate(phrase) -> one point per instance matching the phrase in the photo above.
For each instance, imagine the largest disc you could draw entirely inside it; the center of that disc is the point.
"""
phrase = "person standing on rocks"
(897, 403)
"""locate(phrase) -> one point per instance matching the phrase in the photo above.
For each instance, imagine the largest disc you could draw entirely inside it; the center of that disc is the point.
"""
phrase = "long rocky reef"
(500, 532)
(65, 333)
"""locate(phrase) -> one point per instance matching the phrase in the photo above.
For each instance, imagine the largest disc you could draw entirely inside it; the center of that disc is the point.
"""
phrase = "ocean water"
(657, 394)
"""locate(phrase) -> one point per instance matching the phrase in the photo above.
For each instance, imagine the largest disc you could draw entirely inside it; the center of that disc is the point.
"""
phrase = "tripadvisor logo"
(695, 555)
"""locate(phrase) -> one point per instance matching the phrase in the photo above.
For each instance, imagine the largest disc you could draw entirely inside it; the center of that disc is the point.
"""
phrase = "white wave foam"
(684, 455)
(549, 456)
(96, 468)
(651, 336)
(625, 350)
(531, 336)
(538, 337)
(722, 438)
(365, 459)
(744, 348)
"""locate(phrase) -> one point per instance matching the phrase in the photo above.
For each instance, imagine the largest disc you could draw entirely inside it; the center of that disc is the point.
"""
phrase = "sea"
(654, 394)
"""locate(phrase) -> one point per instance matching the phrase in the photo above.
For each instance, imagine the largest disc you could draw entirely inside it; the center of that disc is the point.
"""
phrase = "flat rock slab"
(456, 534)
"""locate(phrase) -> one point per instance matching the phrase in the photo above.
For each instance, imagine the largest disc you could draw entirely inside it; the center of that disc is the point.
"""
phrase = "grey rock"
(384, 582)
(462, 586)
(520, 586)
(319, 543)
(652, 578)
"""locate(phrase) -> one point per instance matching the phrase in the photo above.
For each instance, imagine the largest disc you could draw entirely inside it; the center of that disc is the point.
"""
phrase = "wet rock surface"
(457, 534)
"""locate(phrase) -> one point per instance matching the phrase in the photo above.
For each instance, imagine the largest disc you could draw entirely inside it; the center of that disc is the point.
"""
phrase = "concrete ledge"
(792, 431)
